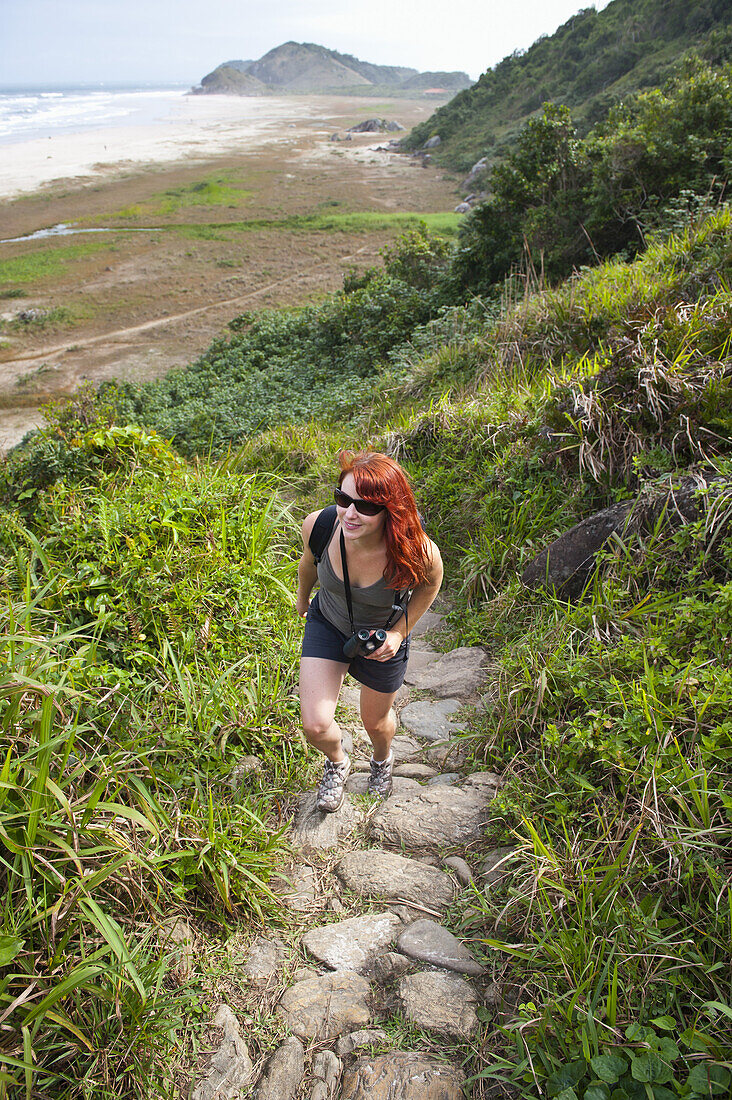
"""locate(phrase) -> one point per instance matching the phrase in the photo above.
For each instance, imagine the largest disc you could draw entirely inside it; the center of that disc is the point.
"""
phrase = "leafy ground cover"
(148, 641)
(167, 580)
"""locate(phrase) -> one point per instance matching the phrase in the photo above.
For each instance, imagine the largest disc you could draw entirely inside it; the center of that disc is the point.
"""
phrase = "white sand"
(199, 127)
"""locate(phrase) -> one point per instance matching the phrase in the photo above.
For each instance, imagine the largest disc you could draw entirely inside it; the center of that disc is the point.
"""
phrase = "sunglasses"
(364, 507)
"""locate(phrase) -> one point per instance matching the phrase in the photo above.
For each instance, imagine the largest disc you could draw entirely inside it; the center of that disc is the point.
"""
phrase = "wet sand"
(215, 204)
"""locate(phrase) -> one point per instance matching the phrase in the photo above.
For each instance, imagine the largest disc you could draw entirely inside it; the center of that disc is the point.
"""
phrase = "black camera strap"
(398, 607)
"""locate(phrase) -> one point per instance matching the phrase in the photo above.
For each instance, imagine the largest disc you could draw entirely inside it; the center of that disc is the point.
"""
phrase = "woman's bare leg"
(378, 720)
(320, 684)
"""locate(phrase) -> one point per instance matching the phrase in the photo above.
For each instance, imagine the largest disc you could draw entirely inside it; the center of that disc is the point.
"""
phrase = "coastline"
(198, 127)
(257, 212)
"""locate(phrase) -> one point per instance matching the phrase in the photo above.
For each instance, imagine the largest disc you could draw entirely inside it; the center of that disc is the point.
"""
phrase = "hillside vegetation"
(589, 64)
(148, 547)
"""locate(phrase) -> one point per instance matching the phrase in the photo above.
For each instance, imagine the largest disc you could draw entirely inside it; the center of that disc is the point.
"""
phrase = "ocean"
(30, 113)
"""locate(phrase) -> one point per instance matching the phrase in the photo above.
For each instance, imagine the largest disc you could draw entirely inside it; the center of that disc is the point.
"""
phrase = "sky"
(85, 41)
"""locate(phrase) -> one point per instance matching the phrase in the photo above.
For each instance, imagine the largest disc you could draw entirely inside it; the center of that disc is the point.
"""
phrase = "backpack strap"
(321, 532)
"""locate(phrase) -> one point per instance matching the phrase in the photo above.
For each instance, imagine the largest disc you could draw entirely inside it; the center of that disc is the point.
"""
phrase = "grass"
(173, 646)
(51, 260)
(368, 221)
(215, 190)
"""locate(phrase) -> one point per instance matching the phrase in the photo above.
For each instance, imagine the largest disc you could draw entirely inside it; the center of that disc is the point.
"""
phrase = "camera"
(363, 642)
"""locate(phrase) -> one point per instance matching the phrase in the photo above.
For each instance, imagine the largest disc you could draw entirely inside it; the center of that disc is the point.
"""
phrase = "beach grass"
(50, 260)
(362, 221)
(213, 190)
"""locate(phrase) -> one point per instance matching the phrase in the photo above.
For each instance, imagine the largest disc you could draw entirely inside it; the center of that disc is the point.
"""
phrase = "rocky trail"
(366, 895)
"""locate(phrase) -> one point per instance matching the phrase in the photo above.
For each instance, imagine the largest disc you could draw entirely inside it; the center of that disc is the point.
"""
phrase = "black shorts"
(323, 640)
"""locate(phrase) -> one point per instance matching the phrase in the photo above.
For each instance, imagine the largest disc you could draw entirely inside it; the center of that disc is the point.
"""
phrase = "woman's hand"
(389, 649)
(302, 604)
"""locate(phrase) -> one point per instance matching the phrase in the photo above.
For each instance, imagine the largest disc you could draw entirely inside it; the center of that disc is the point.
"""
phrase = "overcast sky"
(78, 41)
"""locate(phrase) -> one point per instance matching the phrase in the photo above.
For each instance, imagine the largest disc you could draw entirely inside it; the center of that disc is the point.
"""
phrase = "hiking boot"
(380, 778)
(333, 785)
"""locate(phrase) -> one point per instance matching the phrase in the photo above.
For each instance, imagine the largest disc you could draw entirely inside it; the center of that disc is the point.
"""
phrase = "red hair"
(382, 480)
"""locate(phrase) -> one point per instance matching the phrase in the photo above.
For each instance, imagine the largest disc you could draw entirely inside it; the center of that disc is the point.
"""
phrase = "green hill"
(588, 64)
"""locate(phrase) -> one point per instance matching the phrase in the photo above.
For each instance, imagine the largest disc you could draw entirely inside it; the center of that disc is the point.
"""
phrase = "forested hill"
(590, 62)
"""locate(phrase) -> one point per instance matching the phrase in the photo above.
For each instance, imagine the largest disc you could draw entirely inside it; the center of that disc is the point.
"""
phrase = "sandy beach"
(197, 128)
(229, 205)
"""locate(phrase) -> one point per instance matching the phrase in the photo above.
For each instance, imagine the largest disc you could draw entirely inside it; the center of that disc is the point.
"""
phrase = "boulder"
(326, 1075)
(426, 941)
(430, 718)
(265, 958)
(458, 673)
(433, 818)
(439, 1002)
(353, 943)
(403, 1075)
(229, 1070)
(283, 1072)
(375, 873)
(326, 1006)
(314, 831)
(433, 142)
(463, 208)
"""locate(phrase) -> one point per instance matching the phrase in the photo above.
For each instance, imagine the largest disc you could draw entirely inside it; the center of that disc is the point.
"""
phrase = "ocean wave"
(25, 115)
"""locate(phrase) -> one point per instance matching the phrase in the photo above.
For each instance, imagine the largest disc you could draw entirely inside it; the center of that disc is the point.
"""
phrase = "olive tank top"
(371, 605)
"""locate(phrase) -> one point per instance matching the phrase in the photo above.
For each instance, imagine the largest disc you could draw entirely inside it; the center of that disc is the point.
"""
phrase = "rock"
(265, 959)
(350, 696)
(351, 944)
(335, 137)
(298, 889)
(430, 719)
(439, 1002)
(375, 873)
(176, 937)
(444, 753)
(358, 783)
(405, 913)
(390, 966)
(403, 747)
(415, 771)
(432, 818)
(446, 779)
(314, 831)
(324, 1007)
(419, 661)
(283, 1072)
(475, 172)
(461, 870)
(493, 867)
(433, 142)
(248, 765)
(429, 621)
(365, 1038)
(457, 673)
(463, 208)
(326, 1074)
(428, 942)
(375, 126)
(229, 1070)
(402, 1075)
(483, 781)
(303, 973)
(567, 562)
(347, 741)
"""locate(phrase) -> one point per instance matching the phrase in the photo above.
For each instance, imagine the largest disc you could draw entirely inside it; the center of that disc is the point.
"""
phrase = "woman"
(378, 572)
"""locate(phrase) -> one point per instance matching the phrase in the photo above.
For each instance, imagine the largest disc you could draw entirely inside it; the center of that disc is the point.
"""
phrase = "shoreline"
(272, 223)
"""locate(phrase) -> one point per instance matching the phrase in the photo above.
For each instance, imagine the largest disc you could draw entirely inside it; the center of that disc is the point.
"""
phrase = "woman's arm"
(307, 570)
(423, 597)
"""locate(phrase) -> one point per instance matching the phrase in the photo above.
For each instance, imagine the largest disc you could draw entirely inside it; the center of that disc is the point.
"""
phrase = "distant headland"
(305, 68)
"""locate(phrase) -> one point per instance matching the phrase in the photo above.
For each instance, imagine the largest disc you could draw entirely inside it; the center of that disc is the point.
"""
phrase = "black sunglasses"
(365, 507)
